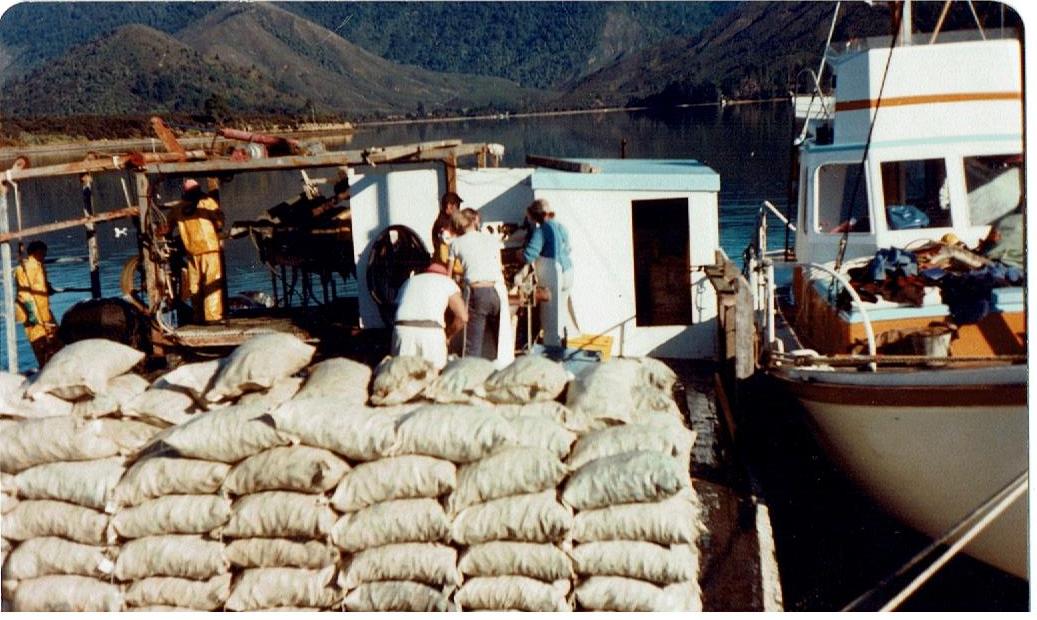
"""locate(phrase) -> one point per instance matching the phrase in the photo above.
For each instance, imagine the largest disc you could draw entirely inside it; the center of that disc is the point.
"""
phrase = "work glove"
(30, 315)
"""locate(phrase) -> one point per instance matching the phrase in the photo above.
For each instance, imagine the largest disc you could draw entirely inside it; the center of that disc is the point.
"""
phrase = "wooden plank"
(79, 221)
(561, 164)
(8, 283)
(745, 332)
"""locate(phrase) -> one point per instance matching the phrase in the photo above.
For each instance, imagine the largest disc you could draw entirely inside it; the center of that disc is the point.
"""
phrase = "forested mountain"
(535, 44)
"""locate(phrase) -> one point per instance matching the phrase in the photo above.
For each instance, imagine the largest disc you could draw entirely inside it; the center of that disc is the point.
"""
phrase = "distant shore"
(330, 133)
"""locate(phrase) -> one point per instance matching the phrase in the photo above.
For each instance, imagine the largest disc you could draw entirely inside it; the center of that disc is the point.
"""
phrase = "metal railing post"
(10, 337)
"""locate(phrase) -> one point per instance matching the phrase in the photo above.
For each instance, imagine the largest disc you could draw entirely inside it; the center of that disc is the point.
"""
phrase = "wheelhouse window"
(994, 186)
(842, 201)
(916, 194)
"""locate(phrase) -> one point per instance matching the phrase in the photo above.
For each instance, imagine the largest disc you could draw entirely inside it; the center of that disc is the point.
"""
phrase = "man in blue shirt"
(549, 251)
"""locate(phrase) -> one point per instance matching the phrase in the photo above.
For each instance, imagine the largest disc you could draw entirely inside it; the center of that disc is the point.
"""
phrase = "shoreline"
(9, 153)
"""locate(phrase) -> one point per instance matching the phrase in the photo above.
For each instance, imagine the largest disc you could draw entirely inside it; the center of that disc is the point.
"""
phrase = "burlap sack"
(552, 410)
(647, 398)
(119, 391)
(509, 471)
(536, 432)
(624, 478)
(12, 389)
(428, 563)
(227, 435)
(458, 433)
(280, 392)
(50, 555)
(42, 406)
(355, 432)
(656, 374)
(185, 556)
(498, 558)
(400, 379)
(397, 596)
(161, 406)
(67, 593)
(631, 595)
(343, 379)
(535, 518)
(297, 468)
(129, 435)
(188, 594)
(529, 378)
(7, 503)
(671, 521)
(191, 379)
(87, 483)
(459, 380)
(50, 440)
(258, 363)
(398, 521)
(619, 439)
(37, 518)
(158, 476)
(511, 592)
(83, 369)
(605, 391)
(399, 477)
(274, 552)
(173, 514)
(280, 514)
(259, 588)
(637, 560)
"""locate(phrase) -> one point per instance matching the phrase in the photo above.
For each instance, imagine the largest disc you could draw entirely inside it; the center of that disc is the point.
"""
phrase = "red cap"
(190, 184)
(439, 268)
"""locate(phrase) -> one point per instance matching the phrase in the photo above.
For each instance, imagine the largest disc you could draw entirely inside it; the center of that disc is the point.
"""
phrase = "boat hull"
(928, 446)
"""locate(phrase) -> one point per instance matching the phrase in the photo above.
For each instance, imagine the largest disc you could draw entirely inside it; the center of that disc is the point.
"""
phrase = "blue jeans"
(483, 319)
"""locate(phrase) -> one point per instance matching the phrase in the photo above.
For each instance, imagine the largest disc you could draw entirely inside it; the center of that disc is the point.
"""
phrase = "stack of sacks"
(329, 414)
(61, 466)
(394, 523)
(505, 509)
(636, 524)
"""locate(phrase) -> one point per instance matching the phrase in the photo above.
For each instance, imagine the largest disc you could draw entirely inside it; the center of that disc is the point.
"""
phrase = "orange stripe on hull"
(864, 104)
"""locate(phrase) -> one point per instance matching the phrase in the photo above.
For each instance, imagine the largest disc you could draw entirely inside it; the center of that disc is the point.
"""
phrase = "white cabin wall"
(600, 230)
(409, 195)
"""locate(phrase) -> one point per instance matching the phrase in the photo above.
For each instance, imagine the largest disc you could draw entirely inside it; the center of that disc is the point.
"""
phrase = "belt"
(482, 284)
(431, 324)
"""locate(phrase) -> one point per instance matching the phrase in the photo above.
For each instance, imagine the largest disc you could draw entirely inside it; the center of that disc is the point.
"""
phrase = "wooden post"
(10, 336)
(146, 246)
(450, 163)
(93, 253)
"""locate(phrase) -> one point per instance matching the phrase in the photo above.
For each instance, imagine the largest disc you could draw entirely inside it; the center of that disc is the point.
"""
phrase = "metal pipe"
(778, 214)
(93, 252)
(6, 236)
(10, 337)
(868, 330)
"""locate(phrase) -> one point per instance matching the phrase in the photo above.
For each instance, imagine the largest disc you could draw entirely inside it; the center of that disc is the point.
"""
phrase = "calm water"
(747, 145)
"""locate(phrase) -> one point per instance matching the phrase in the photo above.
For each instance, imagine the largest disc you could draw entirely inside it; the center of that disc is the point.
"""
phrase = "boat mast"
(905, 23)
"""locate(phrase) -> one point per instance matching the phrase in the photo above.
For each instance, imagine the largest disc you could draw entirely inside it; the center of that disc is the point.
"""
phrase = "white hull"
(928, 464)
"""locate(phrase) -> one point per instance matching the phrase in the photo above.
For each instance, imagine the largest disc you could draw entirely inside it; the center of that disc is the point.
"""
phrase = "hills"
(211, 62)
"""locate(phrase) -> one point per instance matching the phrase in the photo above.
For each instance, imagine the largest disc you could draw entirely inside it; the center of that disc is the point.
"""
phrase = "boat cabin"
(931, 146)
(639, 229)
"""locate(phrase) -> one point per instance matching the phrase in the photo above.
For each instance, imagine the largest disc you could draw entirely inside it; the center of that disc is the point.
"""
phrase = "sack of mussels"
(261, 481)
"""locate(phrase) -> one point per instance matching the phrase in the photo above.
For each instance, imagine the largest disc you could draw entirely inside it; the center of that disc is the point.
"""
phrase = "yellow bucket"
(592, 342)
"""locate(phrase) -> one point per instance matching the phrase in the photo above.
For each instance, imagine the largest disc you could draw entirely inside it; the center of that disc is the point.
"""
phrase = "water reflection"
(747, 145)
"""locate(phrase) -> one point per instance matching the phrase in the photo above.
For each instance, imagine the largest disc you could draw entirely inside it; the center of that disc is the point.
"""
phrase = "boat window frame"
(815, 194)
(952, 181)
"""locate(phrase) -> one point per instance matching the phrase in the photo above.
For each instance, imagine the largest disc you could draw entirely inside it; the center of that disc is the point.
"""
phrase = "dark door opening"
(662, 268)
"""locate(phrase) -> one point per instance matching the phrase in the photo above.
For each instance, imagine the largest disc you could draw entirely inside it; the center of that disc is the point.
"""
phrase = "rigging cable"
(867, 145)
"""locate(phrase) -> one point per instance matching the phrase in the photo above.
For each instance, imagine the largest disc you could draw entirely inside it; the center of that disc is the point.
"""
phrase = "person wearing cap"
(549, 252)
(199, 221)
(488, 332)
(442, 229)
(421, 328)
(32, 303)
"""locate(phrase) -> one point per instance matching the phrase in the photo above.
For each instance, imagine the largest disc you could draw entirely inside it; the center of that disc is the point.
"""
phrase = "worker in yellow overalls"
(33, 303)
(199, 221)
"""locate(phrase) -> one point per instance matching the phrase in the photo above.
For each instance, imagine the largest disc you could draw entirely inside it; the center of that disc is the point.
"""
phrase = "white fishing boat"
(914, 386)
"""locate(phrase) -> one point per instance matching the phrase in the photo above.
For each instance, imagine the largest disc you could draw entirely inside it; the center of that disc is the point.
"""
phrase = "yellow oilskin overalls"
(204, 271)
(33, 308)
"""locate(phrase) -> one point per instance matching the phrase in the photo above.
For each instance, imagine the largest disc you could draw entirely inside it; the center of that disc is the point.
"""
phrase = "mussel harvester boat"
(917, 391)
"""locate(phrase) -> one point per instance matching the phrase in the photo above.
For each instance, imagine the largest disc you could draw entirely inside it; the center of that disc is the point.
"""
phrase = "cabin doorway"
(662, 265)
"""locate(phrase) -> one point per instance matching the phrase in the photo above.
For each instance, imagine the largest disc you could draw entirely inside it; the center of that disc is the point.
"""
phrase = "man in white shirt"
(423, 301)
(478, 253)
